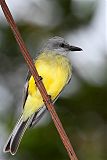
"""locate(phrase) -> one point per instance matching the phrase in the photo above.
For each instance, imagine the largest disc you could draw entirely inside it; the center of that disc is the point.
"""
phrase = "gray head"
(60, 46)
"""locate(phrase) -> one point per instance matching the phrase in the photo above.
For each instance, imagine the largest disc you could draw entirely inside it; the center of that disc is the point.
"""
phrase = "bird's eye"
(62, 45)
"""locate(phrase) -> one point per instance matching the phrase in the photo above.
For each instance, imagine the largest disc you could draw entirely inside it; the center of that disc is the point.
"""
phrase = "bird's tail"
(16, 135)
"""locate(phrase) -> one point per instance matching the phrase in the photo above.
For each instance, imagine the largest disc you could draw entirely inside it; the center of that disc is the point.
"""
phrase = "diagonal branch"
(46, 98)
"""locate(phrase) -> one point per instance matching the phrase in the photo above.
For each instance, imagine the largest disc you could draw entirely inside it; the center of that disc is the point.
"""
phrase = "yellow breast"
(55, 71)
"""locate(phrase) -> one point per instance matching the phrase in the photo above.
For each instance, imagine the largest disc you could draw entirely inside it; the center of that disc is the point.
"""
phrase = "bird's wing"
(25, 94)
(39, 114)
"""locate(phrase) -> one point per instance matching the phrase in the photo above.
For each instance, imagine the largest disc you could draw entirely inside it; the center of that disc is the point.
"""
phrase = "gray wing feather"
(38, 115)
(25, 94)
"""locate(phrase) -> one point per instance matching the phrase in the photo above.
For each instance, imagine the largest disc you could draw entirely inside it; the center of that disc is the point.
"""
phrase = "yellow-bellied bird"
(54, 67)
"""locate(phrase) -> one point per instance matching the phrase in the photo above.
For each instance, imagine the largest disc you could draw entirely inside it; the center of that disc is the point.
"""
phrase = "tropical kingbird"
(54, 67)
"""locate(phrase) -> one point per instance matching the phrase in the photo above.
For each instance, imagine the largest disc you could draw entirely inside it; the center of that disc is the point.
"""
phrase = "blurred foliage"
(84, 114)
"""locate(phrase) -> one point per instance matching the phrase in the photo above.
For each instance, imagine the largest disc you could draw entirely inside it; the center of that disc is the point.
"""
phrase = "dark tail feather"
(16, 136)
(7, 146)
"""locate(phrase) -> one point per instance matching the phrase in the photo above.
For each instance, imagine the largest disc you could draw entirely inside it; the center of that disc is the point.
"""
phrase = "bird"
(54, 67)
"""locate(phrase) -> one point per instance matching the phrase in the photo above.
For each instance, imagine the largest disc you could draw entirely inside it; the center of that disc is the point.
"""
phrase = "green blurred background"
(82, 106)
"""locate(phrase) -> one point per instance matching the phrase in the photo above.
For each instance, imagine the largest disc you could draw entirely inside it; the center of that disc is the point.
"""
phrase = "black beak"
(73, 48)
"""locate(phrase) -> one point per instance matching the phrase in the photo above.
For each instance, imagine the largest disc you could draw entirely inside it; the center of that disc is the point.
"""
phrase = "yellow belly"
(55, 71)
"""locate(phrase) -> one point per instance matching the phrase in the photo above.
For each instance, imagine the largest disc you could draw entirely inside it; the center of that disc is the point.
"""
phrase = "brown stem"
(46, 98)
